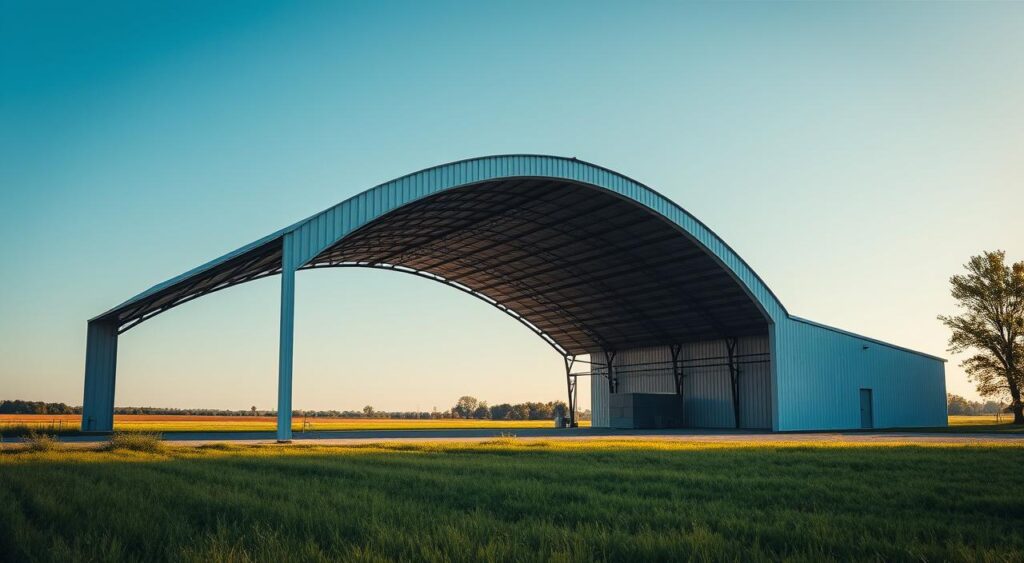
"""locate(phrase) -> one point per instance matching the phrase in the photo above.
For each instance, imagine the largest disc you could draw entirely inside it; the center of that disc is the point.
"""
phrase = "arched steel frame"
(297, 246)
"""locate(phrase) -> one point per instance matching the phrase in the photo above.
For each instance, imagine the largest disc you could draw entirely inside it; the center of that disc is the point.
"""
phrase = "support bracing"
(284, 367)
(613, 381)
(571, 381)
(734, 377)
(100, 371)
(677, 369)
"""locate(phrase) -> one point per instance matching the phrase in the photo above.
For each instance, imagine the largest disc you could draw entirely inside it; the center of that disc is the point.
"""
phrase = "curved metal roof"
(587, 258)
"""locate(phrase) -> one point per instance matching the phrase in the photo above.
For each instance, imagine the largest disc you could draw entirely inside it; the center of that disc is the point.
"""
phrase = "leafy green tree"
(482, 411)
(539, 411)
(501, 412)
(991, 324)
(992, 407)
(519, 412)
(956, 405)
(465, 407)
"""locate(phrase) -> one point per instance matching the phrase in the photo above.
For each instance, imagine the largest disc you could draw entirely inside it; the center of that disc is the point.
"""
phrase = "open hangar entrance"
(678, 330)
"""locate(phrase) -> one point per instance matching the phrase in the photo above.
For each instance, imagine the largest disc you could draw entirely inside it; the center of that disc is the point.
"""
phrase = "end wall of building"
(821, 371)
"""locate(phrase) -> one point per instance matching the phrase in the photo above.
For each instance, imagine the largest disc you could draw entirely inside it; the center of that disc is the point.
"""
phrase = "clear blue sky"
(854, 154)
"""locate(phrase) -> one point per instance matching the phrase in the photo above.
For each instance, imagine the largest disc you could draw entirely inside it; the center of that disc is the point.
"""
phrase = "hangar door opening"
(722, 383)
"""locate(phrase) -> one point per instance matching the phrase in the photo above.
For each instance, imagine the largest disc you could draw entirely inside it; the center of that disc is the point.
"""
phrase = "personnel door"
(867, 419)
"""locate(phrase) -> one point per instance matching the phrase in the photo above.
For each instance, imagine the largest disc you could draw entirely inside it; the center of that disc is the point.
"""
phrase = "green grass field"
(515, 500)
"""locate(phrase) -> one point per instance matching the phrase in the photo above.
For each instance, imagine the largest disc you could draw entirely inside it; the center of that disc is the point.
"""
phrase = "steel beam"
(613, 381)
(100, 371)
(570, 381)
(734, 377)
(677, 370)
(284, 367)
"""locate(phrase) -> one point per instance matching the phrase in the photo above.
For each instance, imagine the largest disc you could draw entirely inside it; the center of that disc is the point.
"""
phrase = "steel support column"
(571, 381)
(613, 381)
(284, 366)
(100, 369)
(677, 370)
(734, 377)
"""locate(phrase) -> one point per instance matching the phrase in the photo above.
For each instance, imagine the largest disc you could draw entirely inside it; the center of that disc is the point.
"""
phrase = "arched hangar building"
(672, 325)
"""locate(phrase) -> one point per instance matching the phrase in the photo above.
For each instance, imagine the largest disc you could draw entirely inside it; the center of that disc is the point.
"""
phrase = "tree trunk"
(1016, 405)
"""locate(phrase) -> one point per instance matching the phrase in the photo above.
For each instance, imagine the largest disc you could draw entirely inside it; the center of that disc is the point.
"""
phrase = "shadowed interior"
(590, 269)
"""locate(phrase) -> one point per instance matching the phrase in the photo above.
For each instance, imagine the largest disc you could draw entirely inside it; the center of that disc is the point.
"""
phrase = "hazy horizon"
(855, 155)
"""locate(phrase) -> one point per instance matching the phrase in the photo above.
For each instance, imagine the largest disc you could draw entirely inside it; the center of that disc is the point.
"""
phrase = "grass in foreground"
(137, 441)
(509, 499)
(38, 442)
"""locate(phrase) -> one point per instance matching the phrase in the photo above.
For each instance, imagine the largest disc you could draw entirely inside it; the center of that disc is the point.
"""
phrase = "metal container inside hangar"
(673, 327)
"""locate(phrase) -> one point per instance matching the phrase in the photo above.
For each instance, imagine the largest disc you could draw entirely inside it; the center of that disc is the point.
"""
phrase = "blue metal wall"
(820, 371)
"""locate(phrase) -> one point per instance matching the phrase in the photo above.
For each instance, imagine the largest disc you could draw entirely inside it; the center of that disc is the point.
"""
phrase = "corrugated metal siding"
(755, 385)
(645, 370)
(821, 371)
(706, 390)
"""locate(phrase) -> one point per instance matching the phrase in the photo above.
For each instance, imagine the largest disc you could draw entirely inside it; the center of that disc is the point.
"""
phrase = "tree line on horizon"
(465, 407)
(957, 405)
(471, 407)
(36, 407)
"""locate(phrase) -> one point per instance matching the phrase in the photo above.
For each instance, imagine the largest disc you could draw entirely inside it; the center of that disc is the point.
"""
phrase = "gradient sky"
(854, 154)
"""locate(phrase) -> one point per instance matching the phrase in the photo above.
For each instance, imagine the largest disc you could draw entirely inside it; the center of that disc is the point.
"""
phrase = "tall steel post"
(100, 371)
(284, 366)
(677, 371)
(613, 382)
(734, 377)
(571, 381)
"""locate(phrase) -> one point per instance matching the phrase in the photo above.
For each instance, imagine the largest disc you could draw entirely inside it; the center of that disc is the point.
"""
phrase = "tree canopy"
(990, 324)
